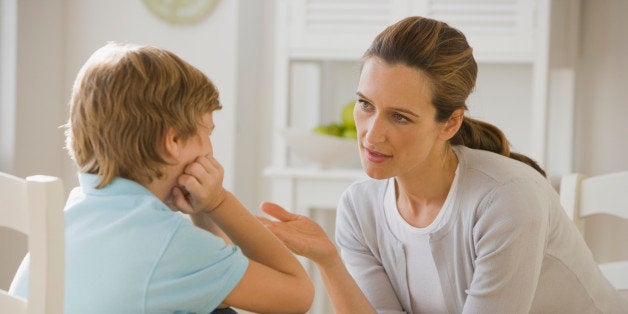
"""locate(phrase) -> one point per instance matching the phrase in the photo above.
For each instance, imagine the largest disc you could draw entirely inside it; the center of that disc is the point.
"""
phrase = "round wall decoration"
(180, 11)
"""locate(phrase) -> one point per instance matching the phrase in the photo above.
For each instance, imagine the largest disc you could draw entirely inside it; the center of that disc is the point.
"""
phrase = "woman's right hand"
(300, 234)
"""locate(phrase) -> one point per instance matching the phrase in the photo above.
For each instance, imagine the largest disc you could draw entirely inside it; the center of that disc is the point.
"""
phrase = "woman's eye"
(400, 118)
(364, 105)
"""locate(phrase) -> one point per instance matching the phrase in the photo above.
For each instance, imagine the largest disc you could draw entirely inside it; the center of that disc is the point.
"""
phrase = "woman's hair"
(443, 54)
(124, 100)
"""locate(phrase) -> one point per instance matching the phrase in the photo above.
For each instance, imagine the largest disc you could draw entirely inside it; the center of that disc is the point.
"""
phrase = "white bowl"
(325, 151)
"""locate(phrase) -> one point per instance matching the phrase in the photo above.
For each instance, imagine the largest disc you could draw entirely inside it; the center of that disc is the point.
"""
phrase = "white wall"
(601, 126)
(253, 98)
(35, 104)
(602, 88)
(39, 89)
(210, 45)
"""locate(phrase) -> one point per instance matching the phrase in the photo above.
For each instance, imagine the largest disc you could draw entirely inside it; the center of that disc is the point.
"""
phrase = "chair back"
(34, 206)
(583, 196)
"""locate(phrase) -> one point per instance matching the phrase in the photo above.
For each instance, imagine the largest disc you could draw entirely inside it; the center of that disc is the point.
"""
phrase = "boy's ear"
(452, 125)
(172, 145)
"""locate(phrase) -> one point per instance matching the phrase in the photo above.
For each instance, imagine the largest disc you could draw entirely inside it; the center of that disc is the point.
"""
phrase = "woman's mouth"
(375, 156)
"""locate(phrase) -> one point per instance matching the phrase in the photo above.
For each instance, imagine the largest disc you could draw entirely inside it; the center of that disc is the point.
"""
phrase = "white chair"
(583, 196)
(34, 207)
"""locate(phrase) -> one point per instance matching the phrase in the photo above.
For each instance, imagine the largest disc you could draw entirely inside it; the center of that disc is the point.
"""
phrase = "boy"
(139, 130)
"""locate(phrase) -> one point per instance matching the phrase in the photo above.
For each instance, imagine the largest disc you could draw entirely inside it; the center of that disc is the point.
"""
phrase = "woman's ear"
(452, 125)
(172, 145)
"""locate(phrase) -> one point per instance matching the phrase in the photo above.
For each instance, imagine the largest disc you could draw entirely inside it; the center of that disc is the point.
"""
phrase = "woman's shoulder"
(491, 169)
(503, 186)
(490, 178)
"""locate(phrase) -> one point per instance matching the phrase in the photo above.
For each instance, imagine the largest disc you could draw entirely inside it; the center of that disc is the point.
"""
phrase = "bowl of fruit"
(327, 145)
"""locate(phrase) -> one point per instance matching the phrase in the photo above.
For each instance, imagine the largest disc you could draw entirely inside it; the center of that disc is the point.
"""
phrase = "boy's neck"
(161, 188)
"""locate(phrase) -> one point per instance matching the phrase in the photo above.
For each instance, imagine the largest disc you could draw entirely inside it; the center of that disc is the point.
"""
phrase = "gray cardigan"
(508, 247)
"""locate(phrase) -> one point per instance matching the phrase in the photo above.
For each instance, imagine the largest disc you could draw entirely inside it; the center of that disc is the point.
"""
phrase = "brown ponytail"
(485, 136)
(444, 55)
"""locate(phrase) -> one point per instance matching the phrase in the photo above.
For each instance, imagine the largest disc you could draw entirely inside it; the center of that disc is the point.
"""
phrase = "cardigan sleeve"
(360, 260)
(509, 242)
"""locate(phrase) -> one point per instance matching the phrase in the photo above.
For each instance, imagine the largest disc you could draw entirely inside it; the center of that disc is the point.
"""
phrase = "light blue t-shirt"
(127, 252)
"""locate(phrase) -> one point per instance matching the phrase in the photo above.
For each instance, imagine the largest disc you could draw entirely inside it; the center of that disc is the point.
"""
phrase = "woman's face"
(395, 120)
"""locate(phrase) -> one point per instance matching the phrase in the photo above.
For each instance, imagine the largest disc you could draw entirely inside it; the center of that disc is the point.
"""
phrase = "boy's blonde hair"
(124, 100)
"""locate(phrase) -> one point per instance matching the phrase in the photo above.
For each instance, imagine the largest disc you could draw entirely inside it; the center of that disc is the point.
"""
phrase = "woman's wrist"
(329, 261)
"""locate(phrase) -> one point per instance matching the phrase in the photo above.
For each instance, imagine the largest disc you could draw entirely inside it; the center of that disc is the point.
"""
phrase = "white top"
(426, 294)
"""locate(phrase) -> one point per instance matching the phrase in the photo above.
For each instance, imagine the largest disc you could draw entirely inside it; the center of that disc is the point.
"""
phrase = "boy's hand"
(200, 186)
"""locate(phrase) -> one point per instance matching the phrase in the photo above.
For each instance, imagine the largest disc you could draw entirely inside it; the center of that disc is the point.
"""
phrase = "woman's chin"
(375, 172)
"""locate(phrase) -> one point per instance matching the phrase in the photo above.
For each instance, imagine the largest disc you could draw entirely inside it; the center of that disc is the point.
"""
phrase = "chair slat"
(617, 274)
(34, 206)
(605, 194)
(13, 210)
(11, 304)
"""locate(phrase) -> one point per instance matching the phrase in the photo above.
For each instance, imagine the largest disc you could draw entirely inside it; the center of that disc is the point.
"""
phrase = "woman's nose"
(376, 132)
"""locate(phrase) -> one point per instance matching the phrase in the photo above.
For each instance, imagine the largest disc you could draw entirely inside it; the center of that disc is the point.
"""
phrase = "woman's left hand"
(300, 234)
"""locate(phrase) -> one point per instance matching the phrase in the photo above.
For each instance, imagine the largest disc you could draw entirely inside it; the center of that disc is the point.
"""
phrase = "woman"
(451, 221)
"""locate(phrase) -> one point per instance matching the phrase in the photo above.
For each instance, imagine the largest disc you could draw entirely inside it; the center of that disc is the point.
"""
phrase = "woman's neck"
(420, 197)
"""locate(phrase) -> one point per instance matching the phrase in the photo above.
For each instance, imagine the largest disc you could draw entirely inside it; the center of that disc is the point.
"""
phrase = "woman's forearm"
(306, 238)
(343, 291)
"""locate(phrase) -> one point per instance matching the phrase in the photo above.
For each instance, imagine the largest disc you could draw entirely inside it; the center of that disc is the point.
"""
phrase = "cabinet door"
(338, 29)
(498, 30)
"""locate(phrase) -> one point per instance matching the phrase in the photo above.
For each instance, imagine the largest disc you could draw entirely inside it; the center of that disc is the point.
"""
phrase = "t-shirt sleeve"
(195, 273)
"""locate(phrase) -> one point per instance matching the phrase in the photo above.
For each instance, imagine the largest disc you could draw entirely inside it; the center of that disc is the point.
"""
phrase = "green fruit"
(347, 115)
(333, 129)
(321, 129)
(336, 129)
(350, 133)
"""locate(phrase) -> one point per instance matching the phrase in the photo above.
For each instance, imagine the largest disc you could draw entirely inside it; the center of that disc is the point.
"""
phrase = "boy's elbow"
(305, 296)
(309, 295)
(302, 296)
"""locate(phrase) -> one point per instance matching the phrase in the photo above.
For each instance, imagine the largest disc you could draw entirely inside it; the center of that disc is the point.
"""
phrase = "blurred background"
(553, 76)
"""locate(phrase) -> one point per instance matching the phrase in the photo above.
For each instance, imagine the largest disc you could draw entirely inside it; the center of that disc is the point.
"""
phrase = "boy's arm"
(205, 222)
(274, 281)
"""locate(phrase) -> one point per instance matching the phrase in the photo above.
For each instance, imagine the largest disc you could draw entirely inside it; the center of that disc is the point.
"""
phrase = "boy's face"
(199, 144)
